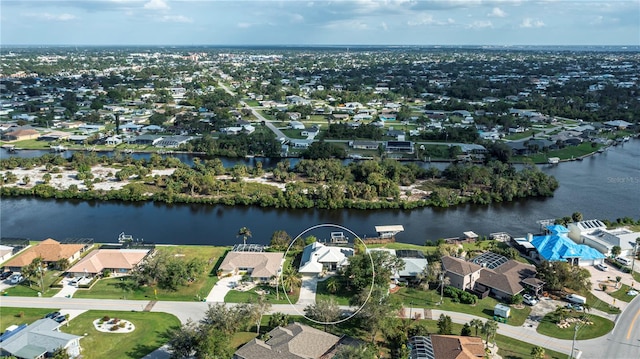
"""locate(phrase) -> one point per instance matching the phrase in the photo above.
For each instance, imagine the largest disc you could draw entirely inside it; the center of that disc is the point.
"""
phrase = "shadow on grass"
(141, 350)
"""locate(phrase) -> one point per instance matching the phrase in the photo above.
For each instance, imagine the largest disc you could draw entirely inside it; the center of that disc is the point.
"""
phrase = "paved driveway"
(308, 290)
(68, 290)
(220, 290)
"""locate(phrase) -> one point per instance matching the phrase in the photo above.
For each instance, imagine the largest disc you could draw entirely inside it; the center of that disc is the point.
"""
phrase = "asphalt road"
(623, 342)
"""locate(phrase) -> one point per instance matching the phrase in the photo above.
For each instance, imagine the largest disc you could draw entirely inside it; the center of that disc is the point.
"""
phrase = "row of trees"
(167, 271)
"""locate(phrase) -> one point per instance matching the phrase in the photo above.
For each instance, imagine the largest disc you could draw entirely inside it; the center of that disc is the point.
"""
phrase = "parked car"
(60, 318)
(16, 278)
(52, 315)
(603, 267)
(6, 275)
(529, 299)
(576, 307)
(623, 261)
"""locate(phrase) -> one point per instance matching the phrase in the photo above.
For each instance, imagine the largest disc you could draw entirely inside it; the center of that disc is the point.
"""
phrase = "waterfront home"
(293, 341)
(38, 340)
(364, 145)
(491, 273)
(117, 261)
(595, 234)
(50, 251)
(557, 246)
(462, 274)
(317, 258)
(260, 266)
(21, 135)
(414, 263)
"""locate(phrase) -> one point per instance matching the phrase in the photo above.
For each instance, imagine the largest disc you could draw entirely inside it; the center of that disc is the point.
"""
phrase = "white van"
(623, 261)
(578, 299)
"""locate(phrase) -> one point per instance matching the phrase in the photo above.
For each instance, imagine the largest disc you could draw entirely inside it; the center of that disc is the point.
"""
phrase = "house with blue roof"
(557, 246)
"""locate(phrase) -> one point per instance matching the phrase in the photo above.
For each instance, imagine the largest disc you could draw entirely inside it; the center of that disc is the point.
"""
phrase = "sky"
(320, 22)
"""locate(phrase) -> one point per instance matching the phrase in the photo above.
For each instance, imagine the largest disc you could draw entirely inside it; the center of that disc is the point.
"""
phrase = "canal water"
(604, 186)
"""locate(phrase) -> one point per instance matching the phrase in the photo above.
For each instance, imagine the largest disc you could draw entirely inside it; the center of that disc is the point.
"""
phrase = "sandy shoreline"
(106, 176)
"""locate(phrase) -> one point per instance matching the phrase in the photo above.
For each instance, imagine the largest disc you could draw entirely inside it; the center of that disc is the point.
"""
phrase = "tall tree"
(245, 233)
(291, 279)
(324, 311)
(445, 325)
(490, 328)
(476, 324)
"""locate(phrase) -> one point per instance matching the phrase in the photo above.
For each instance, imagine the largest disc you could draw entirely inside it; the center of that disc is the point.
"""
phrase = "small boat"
(125, 238)
(58, 148)
(553, 160)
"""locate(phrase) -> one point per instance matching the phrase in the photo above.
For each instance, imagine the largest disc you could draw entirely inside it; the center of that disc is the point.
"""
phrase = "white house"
(317, 257)
(296, 125)
(595, 234)
(38, 340)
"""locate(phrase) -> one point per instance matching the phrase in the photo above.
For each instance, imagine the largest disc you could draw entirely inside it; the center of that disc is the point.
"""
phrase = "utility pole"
(573, 345)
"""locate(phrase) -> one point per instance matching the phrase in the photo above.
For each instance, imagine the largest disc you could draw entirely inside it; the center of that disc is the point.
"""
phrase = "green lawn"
(596, 303)
(123, 288)
(483, 309)
(151, 331)
(293, 133)
(518, 136)
(235, 296)
(341, 297)
(19, 316)
(621, 294)
(564, 154)
(24, 290)
(600, 327)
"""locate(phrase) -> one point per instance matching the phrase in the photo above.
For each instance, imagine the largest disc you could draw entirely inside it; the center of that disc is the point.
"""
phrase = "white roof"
(391, 228)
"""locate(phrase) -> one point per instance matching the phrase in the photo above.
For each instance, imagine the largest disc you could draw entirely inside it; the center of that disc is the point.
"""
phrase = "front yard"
(32, 288)
(125, 288)
(150, 333)
(592, 326)
(483, 308)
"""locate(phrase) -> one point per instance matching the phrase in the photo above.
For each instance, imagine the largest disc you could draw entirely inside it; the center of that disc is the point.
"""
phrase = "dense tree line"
(373, 184)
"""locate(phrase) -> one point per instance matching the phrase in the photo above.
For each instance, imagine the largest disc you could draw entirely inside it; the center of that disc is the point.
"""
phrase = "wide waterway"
(605, 186)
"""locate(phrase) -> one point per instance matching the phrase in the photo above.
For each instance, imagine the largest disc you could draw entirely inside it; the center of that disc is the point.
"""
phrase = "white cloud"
(176, 18)
(296, 18)
(384, 26)
(52, 17)
(478, 24)
(156, 5)
(530, 23)
(243, 25)
(428, 19)
(497, 12)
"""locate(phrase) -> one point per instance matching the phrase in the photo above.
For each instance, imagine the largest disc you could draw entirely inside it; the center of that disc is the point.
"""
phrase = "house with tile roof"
(445, 347)
(317, 257)
(295, 341)
(118, 261)
(50, 251)
(261, 266)
(38, 340)
(462, 274)
(492, 274)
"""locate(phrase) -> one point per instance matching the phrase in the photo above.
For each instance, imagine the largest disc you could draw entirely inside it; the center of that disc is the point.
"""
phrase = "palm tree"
(244, 232)
(490, 328)
(332, 284)
(290, 278)
(477, 324)
(444, 281)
